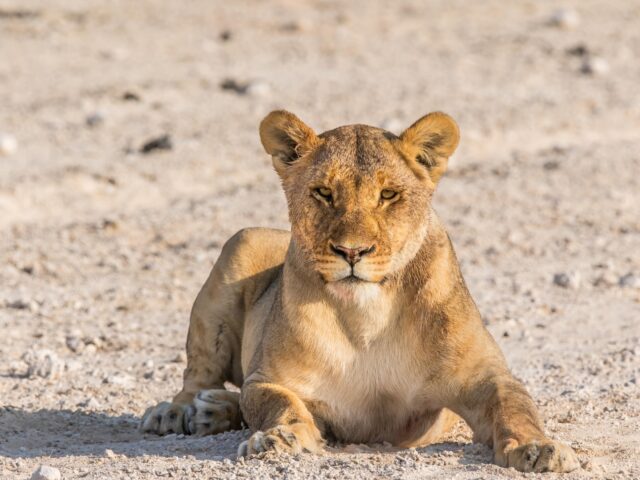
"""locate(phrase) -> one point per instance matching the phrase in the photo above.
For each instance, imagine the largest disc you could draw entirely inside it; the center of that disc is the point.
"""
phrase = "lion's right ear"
(286, 138)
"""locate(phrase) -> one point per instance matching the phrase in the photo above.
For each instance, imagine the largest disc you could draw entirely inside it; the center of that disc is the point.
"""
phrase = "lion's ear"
(429, 143)
(286, 138)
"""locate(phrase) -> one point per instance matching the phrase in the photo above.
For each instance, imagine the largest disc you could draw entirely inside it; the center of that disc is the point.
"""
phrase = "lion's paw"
(290, 439)
(280, 439)
(212, 411)
(543, 457)
(215, 411)
(166, 418)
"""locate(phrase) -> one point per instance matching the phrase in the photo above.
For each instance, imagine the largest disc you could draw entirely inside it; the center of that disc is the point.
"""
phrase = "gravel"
(108, 249)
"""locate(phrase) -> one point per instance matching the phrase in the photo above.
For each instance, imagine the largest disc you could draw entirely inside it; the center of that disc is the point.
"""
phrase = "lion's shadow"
(63, 433)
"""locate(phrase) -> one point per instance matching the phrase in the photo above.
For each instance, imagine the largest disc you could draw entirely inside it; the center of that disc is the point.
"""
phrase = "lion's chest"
(369, 394)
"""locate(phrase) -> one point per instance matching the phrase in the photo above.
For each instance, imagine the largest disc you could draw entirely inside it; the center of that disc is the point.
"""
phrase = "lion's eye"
(388, 194)
(323, 192)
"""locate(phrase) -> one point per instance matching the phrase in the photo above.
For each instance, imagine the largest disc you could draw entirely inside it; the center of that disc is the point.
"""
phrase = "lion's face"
(358, 196)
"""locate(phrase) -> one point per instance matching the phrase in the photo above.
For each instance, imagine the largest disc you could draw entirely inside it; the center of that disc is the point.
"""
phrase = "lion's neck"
(360, 312)
(363, 312)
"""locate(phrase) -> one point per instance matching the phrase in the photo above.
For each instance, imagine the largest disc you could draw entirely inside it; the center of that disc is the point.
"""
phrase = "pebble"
(565, 18)
(258, 88)
(255, 88)
(120, 380)
(94, 119)
(567, 280)
(109, 453)
(607, 279)
(43, 363)
(129, 96)
(629, 280)
(595, 66)
(90, 404)
(180, 357)
(8, 145)
(162, 142)
(74, 343)
(45, 472)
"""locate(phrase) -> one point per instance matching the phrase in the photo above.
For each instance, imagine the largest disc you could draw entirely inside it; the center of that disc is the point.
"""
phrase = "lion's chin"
(355, 291)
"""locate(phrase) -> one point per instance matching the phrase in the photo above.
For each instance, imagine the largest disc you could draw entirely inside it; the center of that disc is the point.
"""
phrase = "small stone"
(606, 279)
(564, 280)
(43, 363)
(629, 280)
(8, 145)
(94, 119)
(18, 305)
(595, 66)
(551, 165)
(74, 343)
(109, 453)
(579, 50)
(90, 404)
(131, 97)
(393, 125)
(162, 142)
(181, 357)
(565, 18)
(234, 86)
(258, 88)
(225, 35)
(18, 368)
(120, 380)
(45, 472)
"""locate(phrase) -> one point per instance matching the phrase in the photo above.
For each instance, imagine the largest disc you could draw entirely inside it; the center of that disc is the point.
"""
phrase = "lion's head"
(358, 196)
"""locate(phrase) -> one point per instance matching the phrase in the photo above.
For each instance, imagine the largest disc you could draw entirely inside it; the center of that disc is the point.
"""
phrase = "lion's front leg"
(279, 419)
(501, 413)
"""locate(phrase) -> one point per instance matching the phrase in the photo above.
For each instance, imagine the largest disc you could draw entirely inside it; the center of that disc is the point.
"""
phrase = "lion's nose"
(352, 254)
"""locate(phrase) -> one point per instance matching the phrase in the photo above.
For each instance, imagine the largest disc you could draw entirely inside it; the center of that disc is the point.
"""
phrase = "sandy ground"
(103, 248)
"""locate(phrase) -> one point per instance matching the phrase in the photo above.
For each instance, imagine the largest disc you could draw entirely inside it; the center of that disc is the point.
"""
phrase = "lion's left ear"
(429, 143)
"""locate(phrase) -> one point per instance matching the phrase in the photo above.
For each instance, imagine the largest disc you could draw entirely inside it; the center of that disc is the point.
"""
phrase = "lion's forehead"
(359, 148)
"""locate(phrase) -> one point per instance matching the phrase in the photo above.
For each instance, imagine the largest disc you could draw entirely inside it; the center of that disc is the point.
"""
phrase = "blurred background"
(129, 153)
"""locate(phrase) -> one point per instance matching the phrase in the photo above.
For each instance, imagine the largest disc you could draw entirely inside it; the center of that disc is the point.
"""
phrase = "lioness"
(356, 325)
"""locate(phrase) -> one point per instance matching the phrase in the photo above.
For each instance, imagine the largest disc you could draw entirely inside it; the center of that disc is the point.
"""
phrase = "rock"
(181, 357)
(45, 472)
(120, 380)
(109, 453)
(258, 88)
(234, 86)
(94, 119)
(565, 18)
(131, 97)
(595, 66)
(18, 305)
(570, 280)
(43, 363)
(8, 145)
(255, 88)
(225, 35)
(606, 279)
(74, 343)
(90, 404)
(18, 368)
(162, 142)
(579, 50)
(629, 280)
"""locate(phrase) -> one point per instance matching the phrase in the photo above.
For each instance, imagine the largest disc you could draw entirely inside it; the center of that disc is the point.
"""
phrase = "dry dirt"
(103, 248)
